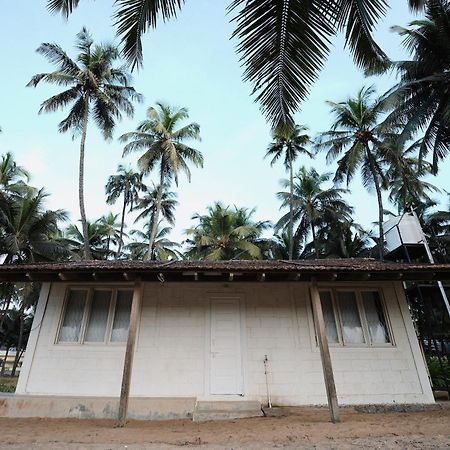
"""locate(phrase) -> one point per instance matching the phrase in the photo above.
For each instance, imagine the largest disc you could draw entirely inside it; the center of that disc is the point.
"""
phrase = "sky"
(189, 62)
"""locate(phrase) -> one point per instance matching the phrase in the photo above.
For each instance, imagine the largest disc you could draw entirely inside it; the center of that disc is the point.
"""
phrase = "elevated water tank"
(402, 230)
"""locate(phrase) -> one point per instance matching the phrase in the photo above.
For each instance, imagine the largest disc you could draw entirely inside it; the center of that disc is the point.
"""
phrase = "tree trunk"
(4, 312)
(19, 340)
(380, 204)
(2, 373)
(291, 208)
(122, 224)
(155, 218)
(316, 249)
(87, 250)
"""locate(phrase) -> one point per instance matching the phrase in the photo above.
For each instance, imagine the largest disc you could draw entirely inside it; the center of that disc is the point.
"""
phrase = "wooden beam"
(324, 352)
(129, 352)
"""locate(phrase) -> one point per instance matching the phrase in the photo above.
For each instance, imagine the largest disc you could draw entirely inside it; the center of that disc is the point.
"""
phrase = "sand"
(305, 428)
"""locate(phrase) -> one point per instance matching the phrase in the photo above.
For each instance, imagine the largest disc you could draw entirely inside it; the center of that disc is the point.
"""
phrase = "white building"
(201, 331)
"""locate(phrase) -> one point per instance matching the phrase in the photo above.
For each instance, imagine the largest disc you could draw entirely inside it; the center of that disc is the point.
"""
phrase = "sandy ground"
(302, 428)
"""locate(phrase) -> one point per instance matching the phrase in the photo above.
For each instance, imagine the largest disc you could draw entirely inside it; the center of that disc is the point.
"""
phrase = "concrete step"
(225, 410)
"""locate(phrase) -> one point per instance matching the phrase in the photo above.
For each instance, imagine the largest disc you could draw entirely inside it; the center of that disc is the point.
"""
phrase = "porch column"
(129, 352)
(324, 353)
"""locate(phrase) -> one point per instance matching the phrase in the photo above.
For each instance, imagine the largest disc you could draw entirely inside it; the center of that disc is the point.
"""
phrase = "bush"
(7, 388)
(439, 371)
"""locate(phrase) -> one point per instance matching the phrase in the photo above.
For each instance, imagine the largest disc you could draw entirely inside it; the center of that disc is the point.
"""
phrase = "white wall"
(172, 351)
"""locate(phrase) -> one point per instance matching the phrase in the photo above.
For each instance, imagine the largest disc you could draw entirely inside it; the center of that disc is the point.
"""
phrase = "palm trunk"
(87, 250)
(155, 218)
(2, 373)
(291, 209)
(19, 340)
(4, 312)
(316, 249)
(122, 224)
(380, 205)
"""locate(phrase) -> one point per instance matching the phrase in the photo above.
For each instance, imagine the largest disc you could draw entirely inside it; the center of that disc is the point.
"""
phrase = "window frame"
(362, 317)
(90, 289)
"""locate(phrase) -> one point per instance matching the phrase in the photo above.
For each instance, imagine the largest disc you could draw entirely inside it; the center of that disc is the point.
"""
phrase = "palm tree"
(405, 173)
(163, 250)
(27, 229)
(164, 146)
(289, 142)
(313, 204)
(73, 239)
(110, 230)
(357, 135)
(283, 43)
(127, 183)
(422, 99)
(95, 89)
(225, 233)
(340, 239)
(147, 205)
(13, 178)
(277, 247)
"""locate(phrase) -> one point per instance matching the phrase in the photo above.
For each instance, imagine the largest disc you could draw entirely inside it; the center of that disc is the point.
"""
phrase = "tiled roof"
(177, 270)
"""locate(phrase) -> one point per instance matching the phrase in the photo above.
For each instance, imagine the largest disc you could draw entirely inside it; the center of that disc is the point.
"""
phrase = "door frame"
(239, 296)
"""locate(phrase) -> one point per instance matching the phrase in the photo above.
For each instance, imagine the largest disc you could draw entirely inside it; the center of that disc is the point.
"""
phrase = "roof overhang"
(222, 271)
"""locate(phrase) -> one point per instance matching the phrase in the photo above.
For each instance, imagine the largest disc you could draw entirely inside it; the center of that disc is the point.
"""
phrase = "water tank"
(401, 230)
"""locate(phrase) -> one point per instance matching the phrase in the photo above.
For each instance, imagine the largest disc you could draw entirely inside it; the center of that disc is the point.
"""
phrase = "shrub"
(439, 371)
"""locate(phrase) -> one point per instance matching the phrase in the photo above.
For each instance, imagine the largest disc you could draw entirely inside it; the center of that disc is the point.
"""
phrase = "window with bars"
(92, 315)
(355, 317)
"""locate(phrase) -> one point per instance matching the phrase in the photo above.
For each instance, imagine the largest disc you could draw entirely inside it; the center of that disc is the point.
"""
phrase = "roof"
(351, 269)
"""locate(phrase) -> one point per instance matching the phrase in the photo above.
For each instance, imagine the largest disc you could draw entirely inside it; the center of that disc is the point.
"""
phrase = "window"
(355, 317)
(96, 316)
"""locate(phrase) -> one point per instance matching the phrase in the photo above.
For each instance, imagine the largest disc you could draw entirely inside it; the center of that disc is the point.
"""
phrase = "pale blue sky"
(189, 62)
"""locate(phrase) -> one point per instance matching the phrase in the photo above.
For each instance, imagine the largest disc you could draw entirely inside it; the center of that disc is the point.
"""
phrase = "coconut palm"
(94, 89)
(110, 230)
(277, 247)
(357, 136)
(164, 146)
(225, 233)
(13, 178)
(405, 173)
(423, 103)
(126, 183)
(147, 205)
(283, 43)
(288, 143)
(313, 204)
(163, 250)
(340, 239)
(27, 229)
(73, 239)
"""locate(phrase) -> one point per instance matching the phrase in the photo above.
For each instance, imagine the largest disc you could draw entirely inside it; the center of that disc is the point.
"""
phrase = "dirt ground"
(302, 428)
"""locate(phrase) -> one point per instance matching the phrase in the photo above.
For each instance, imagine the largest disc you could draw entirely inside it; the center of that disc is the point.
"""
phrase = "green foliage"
(439, 371)
(225, 233)
(4, 387)
(283, 44)
(421, 96)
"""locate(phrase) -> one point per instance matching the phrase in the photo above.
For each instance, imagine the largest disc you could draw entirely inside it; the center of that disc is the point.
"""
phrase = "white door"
(226, 370)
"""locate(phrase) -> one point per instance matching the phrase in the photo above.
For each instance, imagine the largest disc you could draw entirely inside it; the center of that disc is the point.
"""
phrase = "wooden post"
(324, 353)
(129, 353)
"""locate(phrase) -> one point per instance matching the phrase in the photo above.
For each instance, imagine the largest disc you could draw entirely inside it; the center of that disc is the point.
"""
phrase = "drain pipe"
(269, 400)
